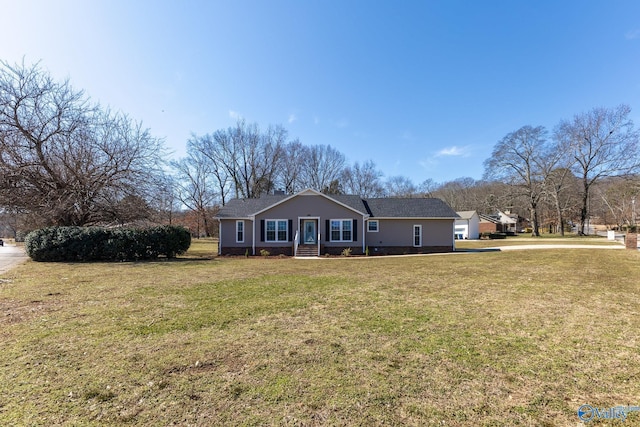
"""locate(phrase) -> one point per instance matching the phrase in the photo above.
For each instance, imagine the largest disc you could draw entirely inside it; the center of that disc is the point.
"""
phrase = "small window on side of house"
(372, 226)
(240, 231)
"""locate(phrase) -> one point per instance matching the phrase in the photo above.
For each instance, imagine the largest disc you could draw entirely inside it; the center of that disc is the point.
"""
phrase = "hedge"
(106, 244)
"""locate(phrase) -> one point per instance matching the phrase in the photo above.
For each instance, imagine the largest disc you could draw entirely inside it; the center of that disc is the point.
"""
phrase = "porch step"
(307, 251)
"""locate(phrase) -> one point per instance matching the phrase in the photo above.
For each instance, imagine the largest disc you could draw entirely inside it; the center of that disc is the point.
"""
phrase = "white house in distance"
(467, 226)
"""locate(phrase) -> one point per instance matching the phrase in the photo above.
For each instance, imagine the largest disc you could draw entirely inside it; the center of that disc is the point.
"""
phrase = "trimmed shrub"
(103, 244)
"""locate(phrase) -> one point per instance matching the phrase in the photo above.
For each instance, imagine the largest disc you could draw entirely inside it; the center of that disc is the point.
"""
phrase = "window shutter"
(328, 230)
(355, 230)
(262, 230)
(291, 230)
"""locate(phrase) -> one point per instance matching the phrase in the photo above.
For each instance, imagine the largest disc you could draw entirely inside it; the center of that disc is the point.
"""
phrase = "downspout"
(219, 236)
(453, 234)
(253, 237)
(364, 236)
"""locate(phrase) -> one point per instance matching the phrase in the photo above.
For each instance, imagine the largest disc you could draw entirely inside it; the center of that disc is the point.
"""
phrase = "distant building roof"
(466, 214)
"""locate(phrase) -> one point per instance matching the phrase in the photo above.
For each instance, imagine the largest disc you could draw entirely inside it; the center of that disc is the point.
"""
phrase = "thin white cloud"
(292, 118)
(453, 151)
(235, 115)
(316, 120)
(428, 163)
(633, 34)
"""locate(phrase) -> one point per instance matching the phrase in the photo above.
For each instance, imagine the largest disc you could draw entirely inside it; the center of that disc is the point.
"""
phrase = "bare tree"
(290, 178)
(400, 186)
(603, 143)
(363, 180)
(516, 159)
(164, 200)
(195, 189)
(209, 148)
(63, 159)
(619, 195)
(323, 168)
(428, 187)
(468, 194)
(246, 156)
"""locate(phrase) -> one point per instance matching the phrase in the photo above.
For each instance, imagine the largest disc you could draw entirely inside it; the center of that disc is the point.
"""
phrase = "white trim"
(342, 221)
(301, 219)
(240, 221)
(377, 225)
(266, 238)
(413, 237)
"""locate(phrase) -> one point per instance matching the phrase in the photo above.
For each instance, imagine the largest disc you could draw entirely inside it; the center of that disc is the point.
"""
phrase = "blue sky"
(423, 88)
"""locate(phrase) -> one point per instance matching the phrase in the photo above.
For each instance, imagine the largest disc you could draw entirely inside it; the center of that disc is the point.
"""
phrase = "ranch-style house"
(310, 223)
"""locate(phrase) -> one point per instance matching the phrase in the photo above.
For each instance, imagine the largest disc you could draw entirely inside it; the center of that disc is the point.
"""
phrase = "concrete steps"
(307, 251)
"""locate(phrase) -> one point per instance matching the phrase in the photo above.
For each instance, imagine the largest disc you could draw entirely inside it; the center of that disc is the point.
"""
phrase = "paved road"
(556, 246)
(10, 256)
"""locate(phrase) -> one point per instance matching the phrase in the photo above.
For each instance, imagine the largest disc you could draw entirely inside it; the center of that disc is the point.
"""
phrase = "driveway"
(11, 256)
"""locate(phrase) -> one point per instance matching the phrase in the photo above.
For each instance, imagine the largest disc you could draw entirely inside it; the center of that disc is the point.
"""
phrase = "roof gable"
(244, 208)
(467, 214)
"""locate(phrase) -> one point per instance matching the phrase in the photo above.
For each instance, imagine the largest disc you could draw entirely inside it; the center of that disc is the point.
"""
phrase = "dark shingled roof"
(354, 202)
(242, 208)
(409, 208)
(380, 208)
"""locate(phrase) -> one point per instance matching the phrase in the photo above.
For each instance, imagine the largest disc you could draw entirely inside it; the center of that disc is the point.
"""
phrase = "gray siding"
(314, 207)
(399, 232)
(228, 233)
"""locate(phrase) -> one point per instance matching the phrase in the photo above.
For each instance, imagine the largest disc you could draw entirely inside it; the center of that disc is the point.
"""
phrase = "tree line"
(67, 161)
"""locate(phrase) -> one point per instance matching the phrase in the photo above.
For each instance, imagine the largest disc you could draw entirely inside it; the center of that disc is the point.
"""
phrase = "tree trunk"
(560, 219)
(536, 225)
(584, 211)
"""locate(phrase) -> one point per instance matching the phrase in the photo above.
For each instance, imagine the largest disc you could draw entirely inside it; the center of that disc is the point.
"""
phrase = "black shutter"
(355, 230)
(328, 230)
(262, 230)
(291, 230)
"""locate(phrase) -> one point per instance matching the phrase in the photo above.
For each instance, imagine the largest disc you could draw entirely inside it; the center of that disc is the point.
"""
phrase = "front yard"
(518, 338)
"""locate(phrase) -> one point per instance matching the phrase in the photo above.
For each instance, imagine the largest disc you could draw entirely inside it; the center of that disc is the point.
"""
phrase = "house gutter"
(364, 235)
(453, 235)
(253, 235)
(219, 235)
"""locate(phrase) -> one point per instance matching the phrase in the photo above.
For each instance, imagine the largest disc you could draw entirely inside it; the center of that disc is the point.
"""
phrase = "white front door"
(309, 235)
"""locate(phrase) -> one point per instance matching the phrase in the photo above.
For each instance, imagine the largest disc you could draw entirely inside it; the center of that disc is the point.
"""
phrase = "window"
(417, 235)
(372, 225)
(276, 230)
(341, 230)
(239, 231)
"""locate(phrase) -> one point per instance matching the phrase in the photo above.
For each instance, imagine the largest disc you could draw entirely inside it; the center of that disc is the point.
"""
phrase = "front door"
(309, 235)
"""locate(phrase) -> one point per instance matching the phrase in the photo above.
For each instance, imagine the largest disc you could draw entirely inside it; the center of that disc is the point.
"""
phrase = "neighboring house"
(468, 225)
(502, 222)
(489, 224)
(311, 223)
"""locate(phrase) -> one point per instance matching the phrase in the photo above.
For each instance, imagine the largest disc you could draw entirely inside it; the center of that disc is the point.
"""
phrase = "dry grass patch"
(518, 338)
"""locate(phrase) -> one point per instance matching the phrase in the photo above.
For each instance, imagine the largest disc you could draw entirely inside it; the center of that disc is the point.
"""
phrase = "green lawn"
(476, 339)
